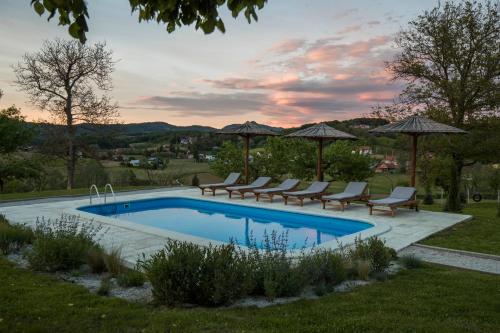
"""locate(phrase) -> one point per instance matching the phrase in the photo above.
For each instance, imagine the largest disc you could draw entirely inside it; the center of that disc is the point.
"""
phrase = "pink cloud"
(288, 46)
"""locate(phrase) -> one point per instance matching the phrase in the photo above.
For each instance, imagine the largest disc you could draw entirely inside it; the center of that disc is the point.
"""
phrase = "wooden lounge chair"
(287, 185)
(314, 191)
(400, 196)
(353, 191)
(231, 180)
(242, 189)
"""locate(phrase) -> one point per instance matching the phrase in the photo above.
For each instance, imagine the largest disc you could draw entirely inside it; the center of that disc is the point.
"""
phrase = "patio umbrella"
(321, 132)
(415, 126)
(246, 131)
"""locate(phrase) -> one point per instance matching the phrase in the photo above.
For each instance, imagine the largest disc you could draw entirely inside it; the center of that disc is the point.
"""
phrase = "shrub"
(223, 277)
(114, 262)
(131, 278)
(272, 271)
(174, 272)
(62, 244)
(323, 268)
(96, 259)
(373, 250)
(195, 181)
(409, 261)
(13, 237)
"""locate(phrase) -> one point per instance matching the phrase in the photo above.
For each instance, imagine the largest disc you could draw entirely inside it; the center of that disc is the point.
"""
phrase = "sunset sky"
(303, 61)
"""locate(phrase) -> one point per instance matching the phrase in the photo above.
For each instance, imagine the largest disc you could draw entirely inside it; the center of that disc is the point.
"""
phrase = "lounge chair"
(231, 180)
(400, 196)
(287, 185)
(314, 191)
(353, 191)
(242, 189)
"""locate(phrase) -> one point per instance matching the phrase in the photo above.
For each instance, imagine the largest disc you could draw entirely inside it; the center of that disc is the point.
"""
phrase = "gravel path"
(461, 259)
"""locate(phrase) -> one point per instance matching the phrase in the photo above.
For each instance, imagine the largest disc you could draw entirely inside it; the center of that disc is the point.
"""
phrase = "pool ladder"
(94, 187)
(110, 191)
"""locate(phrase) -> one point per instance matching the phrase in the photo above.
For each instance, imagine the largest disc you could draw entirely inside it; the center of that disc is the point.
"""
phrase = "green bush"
(131, 278)
(374, 250)
(62, 244)
(223, 277)
(13, 236)
(195, 181)
(323, 268)
(410, 261)
(185, 273)
(272, 270)
(174, 272)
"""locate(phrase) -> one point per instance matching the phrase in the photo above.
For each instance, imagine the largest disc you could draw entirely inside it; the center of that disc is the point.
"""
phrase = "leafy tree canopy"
(343, 163)
(14, 132)
(172, 13)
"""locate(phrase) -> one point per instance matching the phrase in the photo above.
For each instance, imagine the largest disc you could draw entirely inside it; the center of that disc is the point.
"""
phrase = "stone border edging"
(462, 252)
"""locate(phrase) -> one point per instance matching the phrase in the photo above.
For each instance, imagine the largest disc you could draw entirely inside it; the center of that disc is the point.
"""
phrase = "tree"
(451, 62)
(228, 159)
(14, 132)
(274, 160)
(62, 78)
(343, 163)
(204, 13)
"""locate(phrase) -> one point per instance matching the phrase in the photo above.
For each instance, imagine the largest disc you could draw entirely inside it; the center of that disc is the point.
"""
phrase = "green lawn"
(431, 299)
(60, 193)
(482, 234)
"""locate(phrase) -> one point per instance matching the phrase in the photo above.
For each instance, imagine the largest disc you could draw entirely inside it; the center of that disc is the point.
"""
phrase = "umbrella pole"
(413, 159)
(319, 172)
(247, 144)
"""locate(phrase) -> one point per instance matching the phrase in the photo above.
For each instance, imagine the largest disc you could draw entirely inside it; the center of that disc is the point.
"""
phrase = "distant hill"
(129, 129)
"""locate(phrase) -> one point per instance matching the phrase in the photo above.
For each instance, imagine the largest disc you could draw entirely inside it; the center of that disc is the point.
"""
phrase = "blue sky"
(303, 61)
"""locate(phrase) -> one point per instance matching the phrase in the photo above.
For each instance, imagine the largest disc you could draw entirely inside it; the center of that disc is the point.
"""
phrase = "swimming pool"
(224, 222)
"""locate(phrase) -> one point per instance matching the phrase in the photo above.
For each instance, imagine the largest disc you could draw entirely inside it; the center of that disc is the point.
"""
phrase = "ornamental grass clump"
(130, 278)
(410, 261)
(13, 236)
(62, 244)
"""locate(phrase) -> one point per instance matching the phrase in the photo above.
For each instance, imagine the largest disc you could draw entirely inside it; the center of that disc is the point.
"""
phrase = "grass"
(431, 299)
(482, 234)
(59, 193)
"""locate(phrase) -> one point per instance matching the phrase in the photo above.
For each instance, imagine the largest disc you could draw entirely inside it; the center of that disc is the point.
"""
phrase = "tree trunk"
(453, 203)
(71, 162)
(71, 132)
(1, 185)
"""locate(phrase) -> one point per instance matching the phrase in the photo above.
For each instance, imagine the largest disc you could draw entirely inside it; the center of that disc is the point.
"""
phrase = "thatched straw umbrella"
(321, 132)
(415, 126)
(246, 131)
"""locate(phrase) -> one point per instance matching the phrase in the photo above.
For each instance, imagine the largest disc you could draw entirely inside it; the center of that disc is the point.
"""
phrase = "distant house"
(388, 164)
(135, 163)
(186, 140)
(209, 158)
(365, 150)
(362, 126)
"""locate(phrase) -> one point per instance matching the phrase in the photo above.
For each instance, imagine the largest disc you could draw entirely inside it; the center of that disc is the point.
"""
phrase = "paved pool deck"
(134, 240)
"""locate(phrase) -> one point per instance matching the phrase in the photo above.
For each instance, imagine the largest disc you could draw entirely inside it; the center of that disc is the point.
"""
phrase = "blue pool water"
(225, 222)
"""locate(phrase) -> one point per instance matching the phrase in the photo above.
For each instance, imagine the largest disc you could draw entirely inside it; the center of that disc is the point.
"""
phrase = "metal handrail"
(111, 190)
(96, 191)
